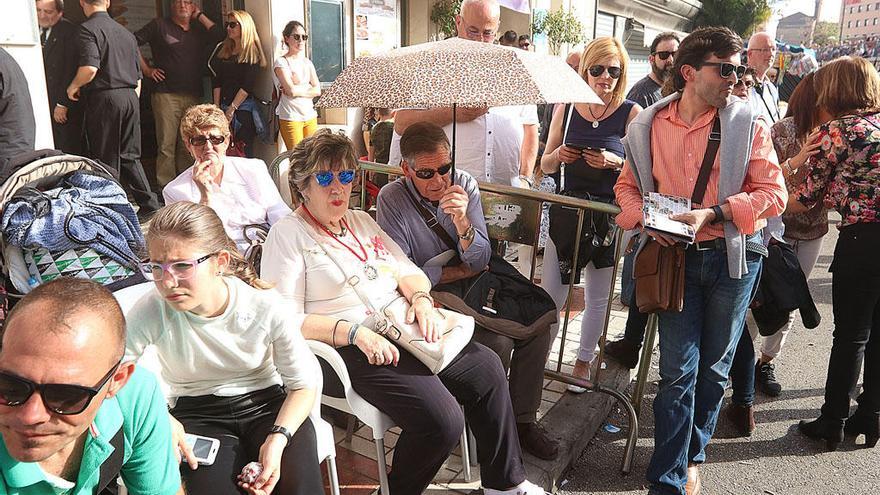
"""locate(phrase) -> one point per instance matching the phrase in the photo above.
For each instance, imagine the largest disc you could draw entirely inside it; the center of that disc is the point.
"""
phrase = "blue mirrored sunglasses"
(325, 178)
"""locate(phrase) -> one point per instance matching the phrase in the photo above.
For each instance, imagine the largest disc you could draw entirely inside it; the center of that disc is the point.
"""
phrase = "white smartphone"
(204, 448)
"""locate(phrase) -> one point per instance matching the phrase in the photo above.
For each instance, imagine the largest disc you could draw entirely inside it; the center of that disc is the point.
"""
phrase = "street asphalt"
(776, 459)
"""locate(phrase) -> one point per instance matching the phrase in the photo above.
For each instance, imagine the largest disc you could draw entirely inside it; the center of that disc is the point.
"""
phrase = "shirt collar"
(670, 113)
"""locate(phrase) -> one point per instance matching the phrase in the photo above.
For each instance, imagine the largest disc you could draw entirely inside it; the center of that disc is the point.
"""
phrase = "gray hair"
(324, 150)
(492, 4)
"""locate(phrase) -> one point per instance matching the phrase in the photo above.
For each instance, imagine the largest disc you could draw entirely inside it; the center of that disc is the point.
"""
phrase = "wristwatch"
(283, 431)
(719, 215)
(468, 234)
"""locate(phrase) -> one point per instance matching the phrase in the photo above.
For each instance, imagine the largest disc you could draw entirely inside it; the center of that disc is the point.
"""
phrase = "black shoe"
(867, 424)
(823, 429)
(624, 352)
(535, 440)
(765, 379)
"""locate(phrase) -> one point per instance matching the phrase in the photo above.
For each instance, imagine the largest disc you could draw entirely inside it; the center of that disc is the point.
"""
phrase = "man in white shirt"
(764, 96)
(498, 144)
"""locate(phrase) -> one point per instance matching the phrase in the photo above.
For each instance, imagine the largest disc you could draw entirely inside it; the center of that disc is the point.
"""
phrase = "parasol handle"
(452, 178)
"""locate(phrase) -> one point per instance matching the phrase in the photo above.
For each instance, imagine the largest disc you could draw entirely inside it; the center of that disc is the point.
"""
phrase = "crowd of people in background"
(231, 324)
(866, 47)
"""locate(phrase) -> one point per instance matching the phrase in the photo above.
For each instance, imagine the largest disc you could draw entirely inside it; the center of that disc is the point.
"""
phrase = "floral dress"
(811, 224)
(846, 173)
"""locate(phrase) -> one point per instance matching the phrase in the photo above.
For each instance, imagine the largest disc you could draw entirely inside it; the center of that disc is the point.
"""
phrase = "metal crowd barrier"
(514, 214)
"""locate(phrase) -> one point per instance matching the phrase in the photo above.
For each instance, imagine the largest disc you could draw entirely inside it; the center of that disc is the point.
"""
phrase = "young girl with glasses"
(232, 354)
(297, 83)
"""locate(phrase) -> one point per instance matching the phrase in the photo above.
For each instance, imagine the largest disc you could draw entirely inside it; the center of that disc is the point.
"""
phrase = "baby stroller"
(65, 215)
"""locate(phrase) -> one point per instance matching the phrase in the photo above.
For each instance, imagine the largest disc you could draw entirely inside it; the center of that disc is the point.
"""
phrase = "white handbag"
(390, 322)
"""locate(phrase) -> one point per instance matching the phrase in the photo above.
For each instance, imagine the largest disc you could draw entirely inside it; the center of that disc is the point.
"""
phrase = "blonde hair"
(323, 150)
(198, 225)
(198, 117)
(251, 49)
(847, 85)
(599, 49)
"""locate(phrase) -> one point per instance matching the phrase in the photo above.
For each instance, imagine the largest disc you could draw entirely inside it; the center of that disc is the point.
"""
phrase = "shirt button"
(488, 154)
(490, 132)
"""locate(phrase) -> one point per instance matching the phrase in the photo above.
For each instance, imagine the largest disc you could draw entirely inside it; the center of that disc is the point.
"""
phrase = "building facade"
(860, 18)
(794, 29)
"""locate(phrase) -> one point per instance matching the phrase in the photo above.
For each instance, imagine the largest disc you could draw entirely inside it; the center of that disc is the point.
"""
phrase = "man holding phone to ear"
(73, 416)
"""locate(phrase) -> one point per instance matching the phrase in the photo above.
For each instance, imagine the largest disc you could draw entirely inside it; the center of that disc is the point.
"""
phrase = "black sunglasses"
(664, 54)
(57, 397)
(727, 68)
(203, 140)
(232, 25)
(743, 82)
(299, 37)
(598, 70)
(428, 173)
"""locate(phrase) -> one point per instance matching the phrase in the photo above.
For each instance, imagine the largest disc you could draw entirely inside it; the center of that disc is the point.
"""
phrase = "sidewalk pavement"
(573, 419)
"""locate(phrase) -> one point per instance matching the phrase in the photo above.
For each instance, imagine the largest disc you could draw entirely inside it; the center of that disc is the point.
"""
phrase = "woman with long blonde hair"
(235, 65)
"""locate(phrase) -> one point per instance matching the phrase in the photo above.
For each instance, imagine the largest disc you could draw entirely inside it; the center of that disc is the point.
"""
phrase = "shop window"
(327, 38)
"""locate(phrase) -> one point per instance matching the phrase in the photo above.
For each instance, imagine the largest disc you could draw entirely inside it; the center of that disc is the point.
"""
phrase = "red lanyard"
(346, 246)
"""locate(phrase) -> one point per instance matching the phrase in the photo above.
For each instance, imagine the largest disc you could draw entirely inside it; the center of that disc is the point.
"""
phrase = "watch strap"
(283, 431)
(719, 215)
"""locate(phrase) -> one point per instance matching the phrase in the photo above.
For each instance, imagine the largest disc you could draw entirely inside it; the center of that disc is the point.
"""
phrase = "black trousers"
(855, 288)
(241, 423)
(69, 135)
(426, 407)
(113, 134)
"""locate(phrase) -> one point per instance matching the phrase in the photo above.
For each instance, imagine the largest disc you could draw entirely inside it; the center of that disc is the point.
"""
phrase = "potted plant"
(443, 16)
(560, 27)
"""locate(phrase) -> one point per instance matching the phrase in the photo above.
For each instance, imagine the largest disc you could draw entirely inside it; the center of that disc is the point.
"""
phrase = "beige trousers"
(173, 157)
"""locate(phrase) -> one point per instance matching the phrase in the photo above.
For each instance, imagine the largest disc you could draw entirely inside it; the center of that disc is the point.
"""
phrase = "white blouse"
(304, 274)
(247, 195)
(301, 108)
(254, 344)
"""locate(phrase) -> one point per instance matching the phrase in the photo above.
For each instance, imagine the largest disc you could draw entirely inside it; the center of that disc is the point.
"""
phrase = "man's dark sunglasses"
(202, 140)
(727, 68)
(664, 54)
(232, 25)
(598, 70)
(57, 397)
(428, 173)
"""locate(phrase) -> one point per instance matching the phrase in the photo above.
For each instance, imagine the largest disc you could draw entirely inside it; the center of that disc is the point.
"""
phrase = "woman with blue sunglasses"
(240, 190)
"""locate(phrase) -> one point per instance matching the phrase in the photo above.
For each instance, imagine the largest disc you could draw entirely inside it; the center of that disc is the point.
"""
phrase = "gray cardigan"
(737, 131)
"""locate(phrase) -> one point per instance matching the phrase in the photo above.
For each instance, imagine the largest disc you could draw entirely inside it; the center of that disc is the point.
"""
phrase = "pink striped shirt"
(677, 150)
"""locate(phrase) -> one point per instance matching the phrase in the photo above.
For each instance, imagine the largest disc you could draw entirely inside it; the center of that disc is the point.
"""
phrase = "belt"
(717, 244)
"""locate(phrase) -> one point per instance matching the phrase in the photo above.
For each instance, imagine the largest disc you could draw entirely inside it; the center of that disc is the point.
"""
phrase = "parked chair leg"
(465, 454)
(383, 467)
(349, 428)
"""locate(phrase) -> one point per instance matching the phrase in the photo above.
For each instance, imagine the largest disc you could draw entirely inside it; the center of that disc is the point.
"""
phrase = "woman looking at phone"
(584, 155)
(237, 365)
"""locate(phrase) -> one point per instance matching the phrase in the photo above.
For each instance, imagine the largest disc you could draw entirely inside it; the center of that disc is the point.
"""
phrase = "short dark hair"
(524, 37)
(290, 26)
(668, 35)
(698, 46)
(59, 5)
(508, 37)
(68, 297)
(421, 138)
(323, 149)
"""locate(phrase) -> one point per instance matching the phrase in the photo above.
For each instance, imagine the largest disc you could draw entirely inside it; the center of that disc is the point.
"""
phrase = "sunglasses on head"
(57, 397)
(203, 140)
(598, 70)
(232, 25)
(663, 55)
(429, 173)
(727, 68)
(325, 178)
(299, 37)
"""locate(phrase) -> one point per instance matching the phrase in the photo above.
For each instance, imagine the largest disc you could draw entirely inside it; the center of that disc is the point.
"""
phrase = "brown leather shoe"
(742, 418)
(535, 440)
(694, 483)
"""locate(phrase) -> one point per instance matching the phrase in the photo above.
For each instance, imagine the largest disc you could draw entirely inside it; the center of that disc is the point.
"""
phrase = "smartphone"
(597, 150)
(204, 448)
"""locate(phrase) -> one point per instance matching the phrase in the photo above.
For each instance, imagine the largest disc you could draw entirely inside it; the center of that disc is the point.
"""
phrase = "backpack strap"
(431, 220)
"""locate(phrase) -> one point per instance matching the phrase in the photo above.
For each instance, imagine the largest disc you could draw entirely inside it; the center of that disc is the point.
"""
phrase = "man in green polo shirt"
(73, 417)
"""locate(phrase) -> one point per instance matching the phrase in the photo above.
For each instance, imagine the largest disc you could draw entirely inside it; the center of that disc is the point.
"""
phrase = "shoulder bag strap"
(431, 220)
(111, 467)
(708, 161)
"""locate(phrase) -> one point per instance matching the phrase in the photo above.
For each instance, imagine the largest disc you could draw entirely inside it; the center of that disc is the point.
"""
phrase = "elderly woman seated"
(240, 190)
(310, 255)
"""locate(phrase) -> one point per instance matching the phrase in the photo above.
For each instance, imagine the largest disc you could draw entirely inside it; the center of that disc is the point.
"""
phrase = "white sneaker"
(529, 488)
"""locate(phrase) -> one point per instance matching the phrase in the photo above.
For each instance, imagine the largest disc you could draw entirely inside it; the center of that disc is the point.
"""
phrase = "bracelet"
(199, 14)
(352, 333)
(528, 180)
(421, 293)
(333, 336)
(787, 166)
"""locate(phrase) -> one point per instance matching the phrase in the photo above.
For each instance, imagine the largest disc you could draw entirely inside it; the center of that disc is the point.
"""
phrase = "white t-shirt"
(298, 109)
(487, 147)
(254, 344)
(247, 195)
(304, 274)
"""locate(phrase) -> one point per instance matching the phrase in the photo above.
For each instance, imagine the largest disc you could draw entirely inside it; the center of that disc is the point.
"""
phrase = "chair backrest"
(509, 218)
(279, 170)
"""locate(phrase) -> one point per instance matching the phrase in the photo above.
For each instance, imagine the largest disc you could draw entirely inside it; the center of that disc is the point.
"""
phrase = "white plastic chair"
(326, 448)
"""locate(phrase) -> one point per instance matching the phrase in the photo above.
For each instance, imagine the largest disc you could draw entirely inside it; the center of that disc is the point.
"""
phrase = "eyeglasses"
(325, 178)
(476, 35)
(180, 270)
(764, 50)
(58, 398)
(428, 173)
(663, 55)
(232, 25)
(203, 140)
(727, 68)
(743, 82)
(299, 37)
(598, 70)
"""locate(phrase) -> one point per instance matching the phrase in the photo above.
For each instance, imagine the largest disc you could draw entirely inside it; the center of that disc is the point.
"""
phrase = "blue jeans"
(742, 370)
(696, 349)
